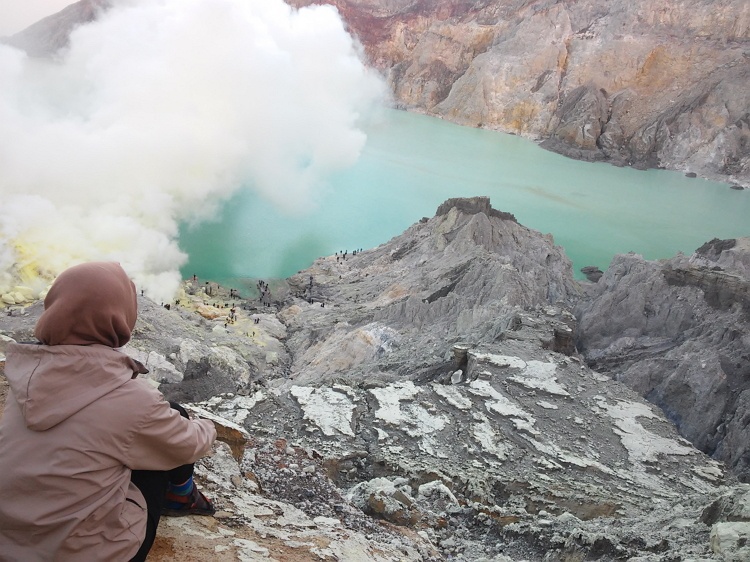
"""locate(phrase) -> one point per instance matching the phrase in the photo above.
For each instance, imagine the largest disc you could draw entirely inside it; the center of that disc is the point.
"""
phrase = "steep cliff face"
(643, 83)
(677, 332)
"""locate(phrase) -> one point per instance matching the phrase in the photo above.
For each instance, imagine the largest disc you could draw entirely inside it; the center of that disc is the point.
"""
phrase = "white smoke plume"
(155, 114)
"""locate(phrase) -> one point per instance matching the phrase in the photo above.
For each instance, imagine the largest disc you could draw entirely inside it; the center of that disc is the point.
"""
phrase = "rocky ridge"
(425, 400)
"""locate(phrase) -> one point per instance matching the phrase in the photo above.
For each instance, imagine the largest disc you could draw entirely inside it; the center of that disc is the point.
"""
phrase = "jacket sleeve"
(162, 439)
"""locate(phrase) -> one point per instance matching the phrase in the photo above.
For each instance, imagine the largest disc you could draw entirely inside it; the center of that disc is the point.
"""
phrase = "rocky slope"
(251, 525)
(48, 35)
(424, 400)
(644, 83)
(678, 332)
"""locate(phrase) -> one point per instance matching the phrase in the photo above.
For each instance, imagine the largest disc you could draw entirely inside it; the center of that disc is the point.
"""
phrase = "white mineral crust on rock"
(489, 439)
(329, 409)
(501, 360)
(539, 375)
(498, 402)
(396, 407)
(453, 396)
(642, 445)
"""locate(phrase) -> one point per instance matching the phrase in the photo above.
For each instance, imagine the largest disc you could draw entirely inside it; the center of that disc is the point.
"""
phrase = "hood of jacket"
(90, 303)
(50, 383)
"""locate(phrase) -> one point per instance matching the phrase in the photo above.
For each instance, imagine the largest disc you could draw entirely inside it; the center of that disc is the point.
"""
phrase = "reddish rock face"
(635, 83)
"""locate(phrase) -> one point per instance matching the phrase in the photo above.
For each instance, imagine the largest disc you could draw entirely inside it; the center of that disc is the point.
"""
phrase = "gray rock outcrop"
(678, 333)
(460, 276)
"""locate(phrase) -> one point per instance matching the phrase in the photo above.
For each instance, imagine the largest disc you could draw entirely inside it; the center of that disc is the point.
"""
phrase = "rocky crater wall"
(645, 83)
(640, 83)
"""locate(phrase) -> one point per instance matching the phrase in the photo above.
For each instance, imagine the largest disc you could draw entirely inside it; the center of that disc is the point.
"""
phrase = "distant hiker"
(90, 455)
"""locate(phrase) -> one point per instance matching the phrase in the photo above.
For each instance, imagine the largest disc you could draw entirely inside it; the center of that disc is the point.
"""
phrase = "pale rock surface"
(729, 516)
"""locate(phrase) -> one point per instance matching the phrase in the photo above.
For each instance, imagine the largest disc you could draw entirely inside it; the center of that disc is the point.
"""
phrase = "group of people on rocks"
(341, 256)
(232, 318)
(265, 293)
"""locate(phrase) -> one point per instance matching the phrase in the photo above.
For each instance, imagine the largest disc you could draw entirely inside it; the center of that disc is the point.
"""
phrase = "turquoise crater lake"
(412, 163)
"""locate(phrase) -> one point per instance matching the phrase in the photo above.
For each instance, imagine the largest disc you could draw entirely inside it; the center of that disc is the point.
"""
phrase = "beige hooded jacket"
(77, 421)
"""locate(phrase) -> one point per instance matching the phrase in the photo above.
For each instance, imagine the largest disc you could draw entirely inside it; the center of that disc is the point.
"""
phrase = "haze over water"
(412, 163)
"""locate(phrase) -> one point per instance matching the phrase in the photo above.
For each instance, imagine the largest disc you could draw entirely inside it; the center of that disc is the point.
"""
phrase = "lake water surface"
(412, 163)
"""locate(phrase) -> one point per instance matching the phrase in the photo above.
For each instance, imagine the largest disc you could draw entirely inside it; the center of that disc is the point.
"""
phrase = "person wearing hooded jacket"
(78, 424)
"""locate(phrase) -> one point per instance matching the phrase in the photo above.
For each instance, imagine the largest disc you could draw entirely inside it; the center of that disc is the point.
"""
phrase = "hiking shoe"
(194, 504)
